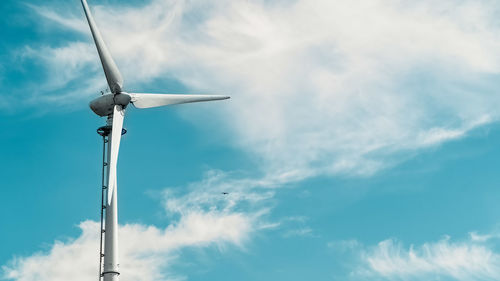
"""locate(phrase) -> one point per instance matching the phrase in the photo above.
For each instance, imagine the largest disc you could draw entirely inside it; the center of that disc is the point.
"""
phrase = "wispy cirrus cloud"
(146, 252)
(66, 20)
(318, 88)
(200, 217)
(445, 259)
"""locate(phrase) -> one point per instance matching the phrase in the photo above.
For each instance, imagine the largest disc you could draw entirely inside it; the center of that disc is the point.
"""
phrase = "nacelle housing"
(103, 105)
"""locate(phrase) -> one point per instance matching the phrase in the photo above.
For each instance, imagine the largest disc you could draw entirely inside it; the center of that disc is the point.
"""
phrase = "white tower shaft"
(111, 269)
(111, 263)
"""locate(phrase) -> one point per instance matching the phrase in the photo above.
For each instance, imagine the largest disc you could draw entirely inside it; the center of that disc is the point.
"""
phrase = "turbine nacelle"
(103, 105)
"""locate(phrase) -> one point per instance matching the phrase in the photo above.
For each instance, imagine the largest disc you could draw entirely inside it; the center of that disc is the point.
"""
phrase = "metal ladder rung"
(103, 205)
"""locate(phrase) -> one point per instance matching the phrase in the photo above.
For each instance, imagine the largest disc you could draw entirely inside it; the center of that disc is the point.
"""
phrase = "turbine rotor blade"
(116, 135)
(113, 75)
(156, 100)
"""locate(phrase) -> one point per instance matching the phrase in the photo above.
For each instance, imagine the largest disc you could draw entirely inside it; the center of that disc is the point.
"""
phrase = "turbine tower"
(113, 107)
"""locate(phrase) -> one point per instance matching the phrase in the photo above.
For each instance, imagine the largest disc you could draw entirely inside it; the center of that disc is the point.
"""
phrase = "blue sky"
(360, 142)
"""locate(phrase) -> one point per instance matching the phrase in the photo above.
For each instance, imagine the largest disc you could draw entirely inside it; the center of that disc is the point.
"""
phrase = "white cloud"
(300, 232)
(62, 18)
(145, 251)
(201, 217)
(209, 193)
(476, 237)
(444, 259)
(319, 87)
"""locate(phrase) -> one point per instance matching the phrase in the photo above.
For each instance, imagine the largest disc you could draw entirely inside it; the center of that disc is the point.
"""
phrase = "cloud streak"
(471, 259)
(146, 252)
(201, 217)
(461, 261)
(347, 87)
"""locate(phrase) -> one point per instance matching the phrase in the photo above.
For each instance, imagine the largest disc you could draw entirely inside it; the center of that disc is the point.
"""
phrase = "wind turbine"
(113, 106)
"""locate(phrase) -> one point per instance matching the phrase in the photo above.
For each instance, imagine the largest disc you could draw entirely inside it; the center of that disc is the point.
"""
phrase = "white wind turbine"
(113, 106)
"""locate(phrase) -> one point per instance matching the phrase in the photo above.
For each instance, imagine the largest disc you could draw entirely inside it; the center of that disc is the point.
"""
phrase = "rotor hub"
(103, 105)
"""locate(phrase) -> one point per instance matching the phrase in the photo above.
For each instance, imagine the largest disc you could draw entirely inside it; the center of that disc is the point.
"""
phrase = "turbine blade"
(113, 75)
(114, 142)
(156, 100)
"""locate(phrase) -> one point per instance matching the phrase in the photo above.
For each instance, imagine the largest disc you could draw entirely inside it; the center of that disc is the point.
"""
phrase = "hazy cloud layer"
(201, 217)
(320, 87)
(472, 259)
(146, 252)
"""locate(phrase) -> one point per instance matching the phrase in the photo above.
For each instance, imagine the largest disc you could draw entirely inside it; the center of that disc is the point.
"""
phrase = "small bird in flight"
(225, 193)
